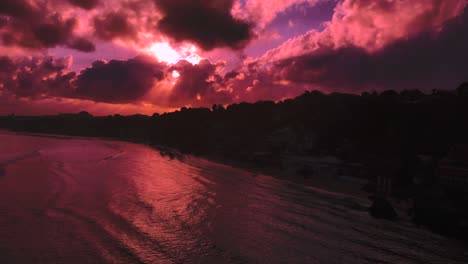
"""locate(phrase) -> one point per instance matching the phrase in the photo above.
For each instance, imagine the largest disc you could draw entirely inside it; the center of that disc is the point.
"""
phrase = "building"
(452, 171)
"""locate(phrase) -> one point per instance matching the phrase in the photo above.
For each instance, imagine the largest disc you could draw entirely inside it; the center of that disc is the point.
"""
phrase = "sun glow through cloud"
(164, 52)
(175, 74)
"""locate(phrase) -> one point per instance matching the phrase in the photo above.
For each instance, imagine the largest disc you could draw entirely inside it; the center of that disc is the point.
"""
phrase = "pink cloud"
(366, 44)
(371, 25)
(264, 12)
(433, 58)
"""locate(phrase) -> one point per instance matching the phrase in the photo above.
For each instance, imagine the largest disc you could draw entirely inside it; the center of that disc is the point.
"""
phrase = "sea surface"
(74, 200)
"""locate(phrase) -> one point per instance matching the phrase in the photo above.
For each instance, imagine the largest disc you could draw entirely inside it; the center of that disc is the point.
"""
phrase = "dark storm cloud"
(119, 81)
(81, 44)
(7, 65)
(202, 85)
(39, 25)
(53, 31)
(36, 27)
(35, 77)
(3, 22)
(429, 60)
(209, 23)
(85, 4)
(17, 8)
(196, 84)
(231, 75)
(112, 82)
(113, 25)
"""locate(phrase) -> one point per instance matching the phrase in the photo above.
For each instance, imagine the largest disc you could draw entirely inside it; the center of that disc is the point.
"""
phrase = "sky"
(146, 56)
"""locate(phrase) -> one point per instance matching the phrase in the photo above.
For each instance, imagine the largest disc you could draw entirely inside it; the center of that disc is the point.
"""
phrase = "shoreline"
(333, 185)
(345, 187)
(336, 185)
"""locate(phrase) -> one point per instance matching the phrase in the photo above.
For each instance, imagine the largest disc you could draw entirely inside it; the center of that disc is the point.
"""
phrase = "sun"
(164, 52)
(175, 74)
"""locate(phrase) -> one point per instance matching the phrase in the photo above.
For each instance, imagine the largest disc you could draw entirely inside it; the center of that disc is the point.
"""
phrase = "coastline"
(333, 185)
(226, 199)
(345, 187)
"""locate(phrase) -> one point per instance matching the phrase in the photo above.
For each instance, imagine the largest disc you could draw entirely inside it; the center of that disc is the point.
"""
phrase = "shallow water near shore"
(75, 200)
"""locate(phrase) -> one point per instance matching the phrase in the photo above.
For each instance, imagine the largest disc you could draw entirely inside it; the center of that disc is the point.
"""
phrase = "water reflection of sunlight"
(195, 203)
(169, 194)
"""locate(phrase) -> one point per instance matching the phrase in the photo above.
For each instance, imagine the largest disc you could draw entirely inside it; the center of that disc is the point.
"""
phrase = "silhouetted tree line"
(352, 127)
(372, 129)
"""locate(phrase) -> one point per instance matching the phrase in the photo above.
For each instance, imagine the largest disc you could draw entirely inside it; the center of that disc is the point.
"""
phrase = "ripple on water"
(125, 203)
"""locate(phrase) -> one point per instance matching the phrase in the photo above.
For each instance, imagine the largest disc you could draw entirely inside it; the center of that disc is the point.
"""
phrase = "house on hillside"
(462, 90)
(452, 171)
(327, 167)
(381, 175)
